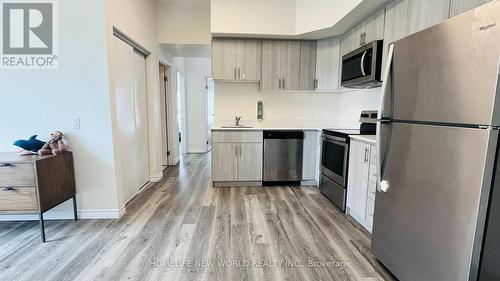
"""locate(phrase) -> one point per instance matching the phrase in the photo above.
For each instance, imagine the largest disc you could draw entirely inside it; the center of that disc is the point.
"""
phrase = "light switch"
(76, 123)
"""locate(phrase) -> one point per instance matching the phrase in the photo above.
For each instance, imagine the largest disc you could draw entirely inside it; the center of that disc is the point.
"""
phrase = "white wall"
(184, 22)
(279, 18)
(352, 103)
(39, 101)
(320, 14)
(253, 17)
(196, 70)
(291, 109)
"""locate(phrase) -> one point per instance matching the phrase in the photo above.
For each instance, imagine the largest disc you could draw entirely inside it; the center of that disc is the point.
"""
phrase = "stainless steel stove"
(335, 158)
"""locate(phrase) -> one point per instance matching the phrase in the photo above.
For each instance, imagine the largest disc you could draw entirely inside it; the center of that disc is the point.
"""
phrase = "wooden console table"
(36, 184)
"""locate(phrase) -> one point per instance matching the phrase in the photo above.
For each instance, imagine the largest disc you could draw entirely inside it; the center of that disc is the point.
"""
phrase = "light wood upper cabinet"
(224, 59)
(281, 64)
(373, 27)
(249, 60)
(405, 17)
(271, 65)
(328, 64)
(307, 71)
(290, 65)
(459, 6)
(236, 59)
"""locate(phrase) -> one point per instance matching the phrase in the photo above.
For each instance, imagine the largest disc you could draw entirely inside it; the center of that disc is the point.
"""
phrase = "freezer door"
(424, 224)
(448, 73)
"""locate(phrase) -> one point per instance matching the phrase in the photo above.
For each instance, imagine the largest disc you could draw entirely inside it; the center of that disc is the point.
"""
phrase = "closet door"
(125, 129)
(141, 120)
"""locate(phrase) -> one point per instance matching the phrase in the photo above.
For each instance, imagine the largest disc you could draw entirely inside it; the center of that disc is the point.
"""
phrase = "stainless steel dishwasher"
(283, 157)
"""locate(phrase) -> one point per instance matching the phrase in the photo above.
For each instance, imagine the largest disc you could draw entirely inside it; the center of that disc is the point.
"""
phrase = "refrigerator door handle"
(383, 186)
(386, 87)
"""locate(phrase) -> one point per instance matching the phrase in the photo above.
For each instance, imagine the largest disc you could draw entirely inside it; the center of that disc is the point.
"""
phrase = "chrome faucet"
(237, 120)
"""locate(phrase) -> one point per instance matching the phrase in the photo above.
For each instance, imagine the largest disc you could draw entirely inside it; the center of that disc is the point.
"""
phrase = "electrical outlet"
(76, 123)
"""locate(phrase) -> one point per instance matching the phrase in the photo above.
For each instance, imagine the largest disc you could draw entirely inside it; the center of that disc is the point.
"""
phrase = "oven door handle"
(363, 63)
(334, 139)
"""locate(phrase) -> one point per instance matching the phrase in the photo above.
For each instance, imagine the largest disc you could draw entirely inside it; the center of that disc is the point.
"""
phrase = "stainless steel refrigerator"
(437, 211)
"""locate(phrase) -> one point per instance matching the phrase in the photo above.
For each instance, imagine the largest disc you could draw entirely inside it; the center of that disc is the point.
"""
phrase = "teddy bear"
(54, 146)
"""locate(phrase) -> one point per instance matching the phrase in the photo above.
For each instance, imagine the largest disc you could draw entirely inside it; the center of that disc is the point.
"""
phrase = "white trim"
(66, 215)
(156, 178)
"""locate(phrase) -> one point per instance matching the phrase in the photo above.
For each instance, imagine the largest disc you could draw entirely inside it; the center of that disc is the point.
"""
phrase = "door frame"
(165, 100)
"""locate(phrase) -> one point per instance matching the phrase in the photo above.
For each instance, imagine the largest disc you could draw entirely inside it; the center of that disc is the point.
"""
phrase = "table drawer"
(16, 175)
(18, 199)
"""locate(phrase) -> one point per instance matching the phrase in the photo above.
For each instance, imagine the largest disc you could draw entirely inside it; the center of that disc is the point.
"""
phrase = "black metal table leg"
(74, 209)
(42, 227)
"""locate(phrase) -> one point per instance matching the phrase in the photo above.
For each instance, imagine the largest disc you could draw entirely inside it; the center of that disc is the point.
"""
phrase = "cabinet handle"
(366, 155)
(239, 73)
(283, 83)
(5, 165)
(235, 73)
(279, 83)
(9, 189)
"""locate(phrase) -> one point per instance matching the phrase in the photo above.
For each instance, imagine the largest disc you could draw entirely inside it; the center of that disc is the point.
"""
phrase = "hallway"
(183, 229)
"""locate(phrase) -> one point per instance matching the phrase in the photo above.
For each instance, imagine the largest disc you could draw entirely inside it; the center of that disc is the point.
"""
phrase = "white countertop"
(266, 128)
(372, 139)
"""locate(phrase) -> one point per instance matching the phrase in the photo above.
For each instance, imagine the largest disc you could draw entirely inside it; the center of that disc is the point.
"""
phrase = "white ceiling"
(188, 50)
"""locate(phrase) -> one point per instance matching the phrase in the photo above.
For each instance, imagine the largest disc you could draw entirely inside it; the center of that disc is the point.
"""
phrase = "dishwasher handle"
(284, 135)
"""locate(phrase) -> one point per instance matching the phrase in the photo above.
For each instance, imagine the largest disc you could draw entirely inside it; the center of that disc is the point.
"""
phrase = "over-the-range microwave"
(362, 67)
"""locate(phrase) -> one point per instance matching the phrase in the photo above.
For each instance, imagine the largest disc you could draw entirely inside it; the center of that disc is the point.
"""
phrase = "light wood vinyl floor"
(184, 229)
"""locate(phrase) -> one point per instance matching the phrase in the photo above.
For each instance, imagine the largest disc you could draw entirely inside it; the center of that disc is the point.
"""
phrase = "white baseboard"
(309, 183)
(156, 178)
(66, 215)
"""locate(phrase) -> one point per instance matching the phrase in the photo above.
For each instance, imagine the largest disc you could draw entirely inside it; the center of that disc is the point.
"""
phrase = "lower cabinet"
(310, 158)
(237, 157)
(362, 182)
(224, 162)
(249, 161)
